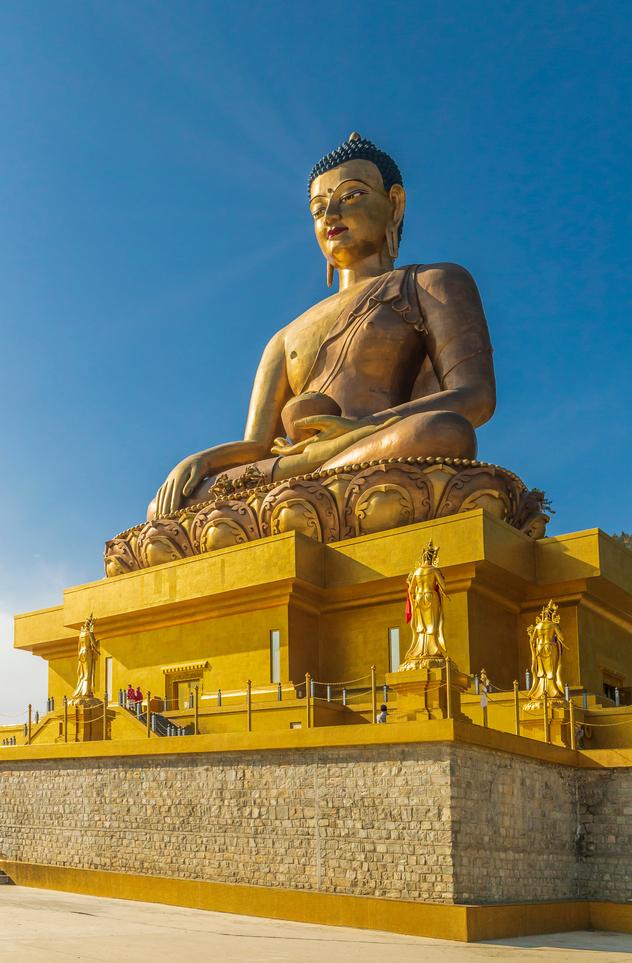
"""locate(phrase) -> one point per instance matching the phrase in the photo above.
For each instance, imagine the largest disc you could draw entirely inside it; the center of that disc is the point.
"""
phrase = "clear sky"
(155, 233)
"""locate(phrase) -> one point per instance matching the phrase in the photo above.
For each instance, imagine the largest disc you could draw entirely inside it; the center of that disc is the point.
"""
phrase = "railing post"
(65, 718)
(329, 692)
(545, 703)
(105, 714)
(30, 724)
(219, 698)
(279, 692)
(571, 709)
(308, 697)
(148, 718)
(76, 723)
(249, 705)
(517, 706)
(373, 695)
(344, 695)
(196, 728)
(448, 688)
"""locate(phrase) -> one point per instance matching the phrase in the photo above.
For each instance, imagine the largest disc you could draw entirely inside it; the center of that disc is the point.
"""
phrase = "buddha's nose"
(332, 211)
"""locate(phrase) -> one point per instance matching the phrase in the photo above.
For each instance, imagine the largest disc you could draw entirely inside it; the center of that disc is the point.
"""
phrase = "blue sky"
(155, 234)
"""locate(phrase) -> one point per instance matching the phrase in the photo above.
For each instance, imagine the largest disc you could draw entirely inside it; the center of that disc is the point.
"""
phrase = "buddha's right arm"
(270, 391)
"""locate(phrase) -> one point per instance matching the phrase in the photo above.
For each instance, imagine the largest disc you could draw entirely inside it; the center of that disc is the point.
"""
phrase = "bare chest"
(306, 335)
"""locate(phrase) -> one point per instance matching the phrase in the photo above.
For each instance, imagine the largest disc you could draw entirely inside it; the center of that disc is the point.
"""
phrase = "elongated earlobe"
(330, 274)
(392, 242)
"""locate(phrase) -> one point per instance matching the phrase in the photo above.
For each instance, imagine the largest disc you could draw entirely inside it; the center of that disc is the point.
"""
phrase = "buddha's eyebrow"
(353, 180)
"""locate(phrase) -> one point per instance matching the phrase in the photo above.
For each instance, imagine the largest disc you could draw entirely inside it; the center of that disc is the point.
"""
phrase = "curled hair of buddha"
(358, 148)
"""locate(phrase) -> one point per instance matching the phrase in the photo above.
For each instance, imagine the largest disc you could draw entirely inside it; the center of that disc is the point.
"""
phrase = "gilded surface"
(547, 642)
(87, 657)
(329, 506)
(426, 596)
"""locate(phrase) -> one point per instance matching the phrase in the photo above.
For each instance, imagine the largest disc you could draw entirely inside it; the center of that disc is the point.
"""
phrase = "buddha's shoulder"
(443, 277)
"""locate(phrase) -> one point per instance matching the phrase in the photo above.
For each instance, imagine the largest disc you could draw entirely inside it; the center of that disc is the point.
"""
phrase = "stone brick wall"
(514, 828)
(605, 840)
(346, 821)
(441, 822)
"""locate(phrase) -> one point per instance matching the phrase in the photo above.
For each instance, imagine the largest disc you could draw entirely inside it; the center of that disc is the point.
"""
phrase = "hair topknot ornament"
(357, 147)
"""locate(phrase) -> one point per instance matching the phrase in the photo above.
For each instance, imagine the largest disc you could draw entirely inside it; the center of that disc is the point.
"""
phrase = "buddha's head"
(357, 201)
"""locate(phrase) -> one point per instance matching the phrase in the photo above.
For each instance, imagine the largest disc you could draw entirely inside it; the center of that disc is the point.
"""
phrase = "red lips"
(333, 231)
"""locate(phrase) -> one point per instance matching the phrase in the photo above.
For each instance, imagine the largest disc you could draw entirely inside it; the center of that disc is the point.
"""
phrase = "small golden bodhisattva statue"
(426, 594)
(547, 642)
(86, 664)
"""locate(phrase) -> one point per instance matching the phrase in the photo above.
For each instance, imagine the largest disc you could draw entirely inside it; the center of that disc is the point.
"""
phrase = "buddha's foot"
(330, 505)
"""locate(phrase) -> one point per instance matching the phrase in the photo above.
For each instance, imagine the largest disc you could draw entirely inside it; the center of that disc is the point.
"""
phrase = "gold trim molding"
(180, 668)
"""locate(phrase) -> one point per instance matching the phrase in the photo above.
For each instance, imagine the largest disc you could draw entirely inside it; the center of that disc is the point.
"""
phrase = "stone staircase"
(162, 724)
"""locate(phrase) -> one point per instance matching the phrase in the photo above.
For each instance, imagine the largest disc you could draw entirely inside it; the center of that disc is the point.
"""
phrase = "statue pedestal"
(422, 693)
(88, 719)
(532, 722)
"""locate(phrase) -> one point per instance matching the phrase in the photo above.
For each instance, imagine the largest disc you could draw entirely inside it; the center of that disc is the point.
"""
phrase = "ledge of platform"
(324, 737)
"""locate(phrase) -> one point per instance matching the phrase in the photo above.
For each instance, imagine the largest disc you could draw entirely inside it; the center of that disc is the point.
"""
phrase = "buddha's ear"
(397, 197)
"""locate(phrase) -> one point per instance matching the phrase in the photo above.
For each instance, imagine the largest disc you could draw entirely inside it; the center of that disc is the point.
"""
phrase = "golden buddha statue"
(363, 409)
(397, 363)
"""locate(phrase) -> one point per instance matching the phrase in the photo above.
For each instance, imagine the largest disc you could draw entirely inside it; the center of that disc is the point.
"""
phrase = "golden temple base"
(208, 620)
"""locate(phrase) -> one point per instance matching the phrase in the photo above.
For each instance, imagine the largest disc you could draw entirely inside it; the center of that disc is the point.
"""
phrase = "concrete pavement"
(42, 926)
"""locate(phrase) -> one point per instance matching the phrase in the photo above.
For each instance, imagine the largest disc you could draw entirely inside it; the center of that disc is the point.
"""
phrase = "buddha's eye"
(351, 195)
(318, 212)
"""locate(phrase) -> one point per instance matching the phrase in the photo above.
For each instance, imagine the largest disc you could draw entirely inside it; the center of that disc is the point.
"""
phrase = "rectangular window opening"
(108, 676)
(275, 655)
(393, 650)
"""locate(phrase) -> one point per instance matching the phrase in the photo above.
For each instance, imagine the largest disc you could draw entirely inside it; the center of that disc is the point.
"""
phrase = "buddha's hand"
(180, 483)
(326, 429)
(321, 428)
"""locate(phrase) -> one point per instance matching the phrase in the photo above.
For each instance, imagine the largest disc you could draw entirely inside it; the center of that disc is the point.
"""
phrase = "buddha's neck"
(370, 267)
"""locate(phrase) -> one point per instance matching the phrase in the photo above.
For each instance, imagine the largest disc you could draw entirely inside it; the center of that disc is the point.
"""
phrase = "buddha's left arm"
(458, 346)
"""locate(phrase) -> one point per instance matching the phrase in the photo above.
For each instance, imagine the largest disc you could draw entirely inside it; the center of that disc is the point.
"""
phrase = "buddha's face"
(352, 212)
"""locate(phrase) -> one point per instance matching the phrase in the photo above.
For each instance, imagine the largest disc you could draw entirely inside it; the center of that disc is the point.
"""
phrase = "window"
(275, 656)
(108, 676)
(393, 650)
(611, 682)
